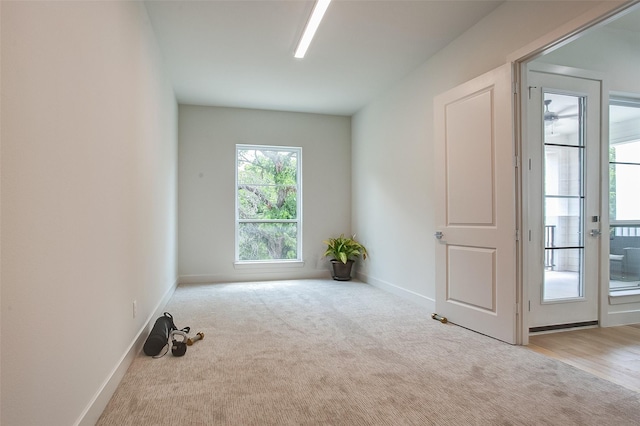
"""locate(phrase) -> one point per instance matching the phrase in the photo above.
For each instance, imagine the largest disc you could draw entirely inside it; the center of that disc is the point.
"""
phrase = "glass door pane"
(563, 197)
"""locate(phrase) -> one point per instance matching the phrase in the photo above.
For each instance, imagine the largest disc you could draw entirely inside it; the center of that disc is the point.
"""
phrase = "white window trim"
(276, 263)
(623, 295)
(267, 265)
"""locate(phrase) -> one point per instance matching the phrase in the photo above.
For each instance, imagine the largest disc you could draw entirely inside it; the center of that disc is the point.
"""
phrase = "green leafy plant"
(345, 248)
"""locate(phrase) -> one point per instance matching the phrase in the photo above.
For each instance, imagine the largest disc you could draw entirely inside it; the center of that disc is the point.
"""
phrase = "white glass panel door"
(564, 198)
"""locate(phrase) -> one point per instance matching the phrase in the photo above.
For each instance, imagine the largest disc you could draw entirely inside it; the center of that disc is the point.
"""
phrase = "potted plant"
(343, 252)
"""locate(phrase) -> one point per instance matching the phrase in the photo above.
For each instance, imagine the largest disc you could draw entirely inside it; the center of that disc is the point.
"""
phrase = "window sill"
(268, 265)
(624, 296)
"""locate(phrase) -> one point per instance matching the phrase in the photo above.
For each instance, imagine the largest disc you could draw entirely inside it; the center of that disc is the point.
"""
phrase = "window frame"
(618, 226)
(628, 102)
(299, 216)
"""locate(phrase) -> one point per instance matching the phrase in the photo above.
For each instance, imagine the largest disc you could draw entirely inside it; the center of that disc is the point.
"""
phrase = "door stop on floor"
(439, 318)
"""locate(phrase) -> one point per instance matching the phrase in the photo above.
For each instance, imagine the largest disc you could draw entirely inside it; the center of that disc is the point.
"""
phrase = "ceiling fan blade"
(570, 108)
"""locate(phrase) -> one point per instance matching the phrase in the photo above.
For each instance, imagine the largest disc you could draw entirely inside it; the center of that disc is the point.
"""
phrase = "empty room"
(479, 159)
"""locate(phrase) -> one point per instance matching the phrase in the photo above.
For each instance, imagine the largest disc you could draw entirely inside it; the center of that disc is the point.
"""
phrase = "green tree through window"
(268, 195)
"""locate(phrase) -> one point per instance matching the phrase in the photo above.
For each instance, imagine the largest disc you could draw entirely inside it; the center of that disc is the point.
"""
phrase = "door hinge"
(517, 235)
(516, 161)
(529, 305)
(517, 309)
(515, 87)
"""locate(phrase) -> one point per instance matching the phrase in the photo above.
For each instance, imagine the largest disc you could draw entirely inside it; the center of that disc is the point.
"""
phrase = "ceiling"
(239, 53)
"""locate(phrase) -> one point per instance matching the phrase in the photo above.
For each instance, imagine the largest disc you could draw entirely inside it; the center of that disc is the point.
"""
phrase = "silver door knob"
(595, 233)
(438, 235)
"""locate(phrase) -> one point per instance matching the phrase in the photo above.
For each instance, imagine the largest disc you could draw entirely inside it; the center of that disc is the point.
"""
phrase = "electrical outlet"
(135, 308)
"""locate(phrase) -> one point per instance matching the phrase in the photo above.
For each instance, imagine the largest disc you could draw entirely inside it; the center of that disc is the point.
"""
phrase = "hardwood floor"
(612, 353)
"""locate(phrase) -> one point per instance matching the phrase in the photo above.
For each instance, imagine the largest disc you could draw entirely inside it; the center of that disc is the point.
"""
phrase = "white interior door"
(476, 208)
(563, 115)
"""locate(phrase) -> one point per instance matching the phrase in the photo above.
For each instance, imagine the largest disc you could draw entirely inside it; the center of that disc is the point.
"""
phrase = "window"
(268, 203)
(624, 202)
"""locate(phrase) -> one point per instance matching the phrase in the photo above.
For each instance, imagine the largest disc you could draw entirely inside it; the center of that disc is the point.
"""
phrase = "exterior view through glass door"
(564, 113)
(563, 166)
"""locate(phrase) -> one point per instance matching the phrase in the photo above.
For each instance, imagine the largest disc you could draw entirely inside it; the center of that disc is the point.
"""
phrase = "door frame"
(596, 17)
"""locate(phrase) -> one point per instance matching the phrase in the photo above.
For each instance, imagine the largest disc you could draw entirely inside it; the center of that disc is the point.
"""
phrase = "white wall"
(207, 140)
(1, 95)
(393, 187)
(89, 181)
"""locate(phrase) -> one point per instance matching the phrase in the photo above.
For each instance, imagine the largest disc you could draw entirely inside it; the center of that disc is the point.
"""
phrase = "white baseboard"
(199, 279)
(247, 276)
(425, 302)
(98, 403)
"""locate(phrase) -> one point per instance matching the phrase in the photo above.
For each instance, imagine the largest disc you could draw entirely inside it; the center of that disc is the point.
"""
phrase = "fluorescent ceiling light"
(316, 16)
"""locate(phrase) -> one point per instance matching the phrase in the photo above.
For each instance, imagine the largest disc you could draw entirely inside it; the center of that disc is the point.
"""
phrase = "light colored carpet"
(345, 353)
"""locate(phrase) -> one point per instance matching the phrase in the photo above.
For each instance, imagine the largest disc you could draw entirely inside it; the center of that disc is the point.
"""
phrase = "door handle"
(438, 235)
(595, 233)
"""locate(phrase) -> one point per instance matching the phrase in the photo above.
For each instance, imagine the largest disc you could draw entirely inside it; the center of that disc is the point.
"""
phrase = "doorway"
(563, 113)
(607, 50)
